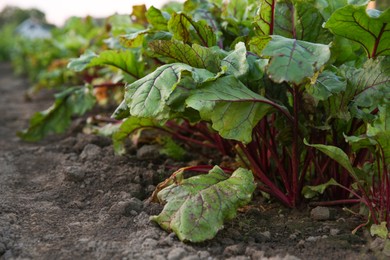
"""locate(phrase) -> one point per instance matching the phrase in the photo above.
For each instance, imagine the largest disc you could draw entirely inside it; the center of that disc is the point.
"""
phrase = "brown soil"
(70, 197)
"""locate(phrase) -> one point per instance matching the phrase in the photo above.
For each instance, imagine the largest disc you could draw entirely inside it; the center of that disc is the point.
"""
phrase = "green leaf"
(128, 61)
(380, 130)
(196, 56)
(300, 20)
(157, 19)
(128, 126)
(264, 21)
(294, 61)
(148, 96)
(379, 230)
(327, 84)
(196, 208)
(57, 118)
(185, 29)
(233, 109)
(172, 149)
(310, 192)
(369, 86)
(371, 28)
(82, 62)
(236, 63)
(336, 154)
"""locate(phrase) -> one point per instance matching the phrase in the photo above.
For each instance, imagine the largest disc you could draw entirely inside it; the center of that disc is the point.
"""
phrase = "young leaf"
(157, 19)
(196, 208)
(370, 28)
(56, 119)
(233, 109)
(128, 126)
(310, 192)
(185, 29)
(293, 61)
(264, 21)
(336, 154)
(236, 63)
(327, 84)
(196, 56)
(379, 230)
(128, 61)
(148, 96)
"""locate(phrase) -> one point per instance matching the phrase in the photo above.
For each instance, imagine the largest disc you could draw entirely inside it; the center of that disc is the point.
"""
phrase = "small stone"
(334, 231)
(233, 250)
(149, 243)
(266, 234)
(377, 244)
(301, 243)
(177, 254)
(74, 173)
(119, 208)
(254, 253)
(148, 152)
(313, 238)
(203, 254)
(320, 213)
(90, 152)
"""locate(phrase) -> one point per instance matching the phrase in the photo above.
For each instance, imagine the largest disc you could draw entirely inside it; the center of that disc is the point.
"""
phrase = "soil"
(71, 197)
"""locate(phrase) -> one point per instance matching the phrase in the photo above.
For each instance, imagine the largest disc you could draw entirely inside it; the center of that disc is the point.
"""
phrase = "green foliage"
(255, 79)
(371, 28)
(196, 208)
(72, 101)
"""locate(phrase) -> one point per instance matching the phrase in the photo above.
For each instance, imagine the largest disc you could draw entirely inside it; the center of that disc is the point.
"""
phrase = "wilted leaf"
(196, 208)
(293, 61)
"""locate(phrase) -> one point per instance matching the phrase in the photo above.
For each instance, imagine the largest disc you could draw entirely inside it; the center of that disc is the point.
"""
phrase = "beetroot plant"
(297, 91)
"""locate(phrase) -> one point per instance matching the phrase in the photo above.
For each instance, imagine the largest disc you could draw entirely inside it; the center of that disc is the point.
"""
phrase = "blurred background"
(57, 11)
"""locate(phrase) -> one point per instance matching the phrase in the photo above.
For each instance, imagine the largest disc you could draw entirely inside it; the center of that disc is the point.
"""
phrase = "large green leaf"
(128, 61)
(148, 96)
(370, 28)
(196, 208)
(57, 118)
(300, 20)
(189, 31)
(294, 61)
(233, 109)
(196, 56)
(369, 86)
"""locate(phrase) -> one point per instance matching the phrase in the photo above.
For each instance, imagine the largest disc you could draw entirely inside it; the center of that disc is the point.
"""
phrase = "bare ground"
(70, 197)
